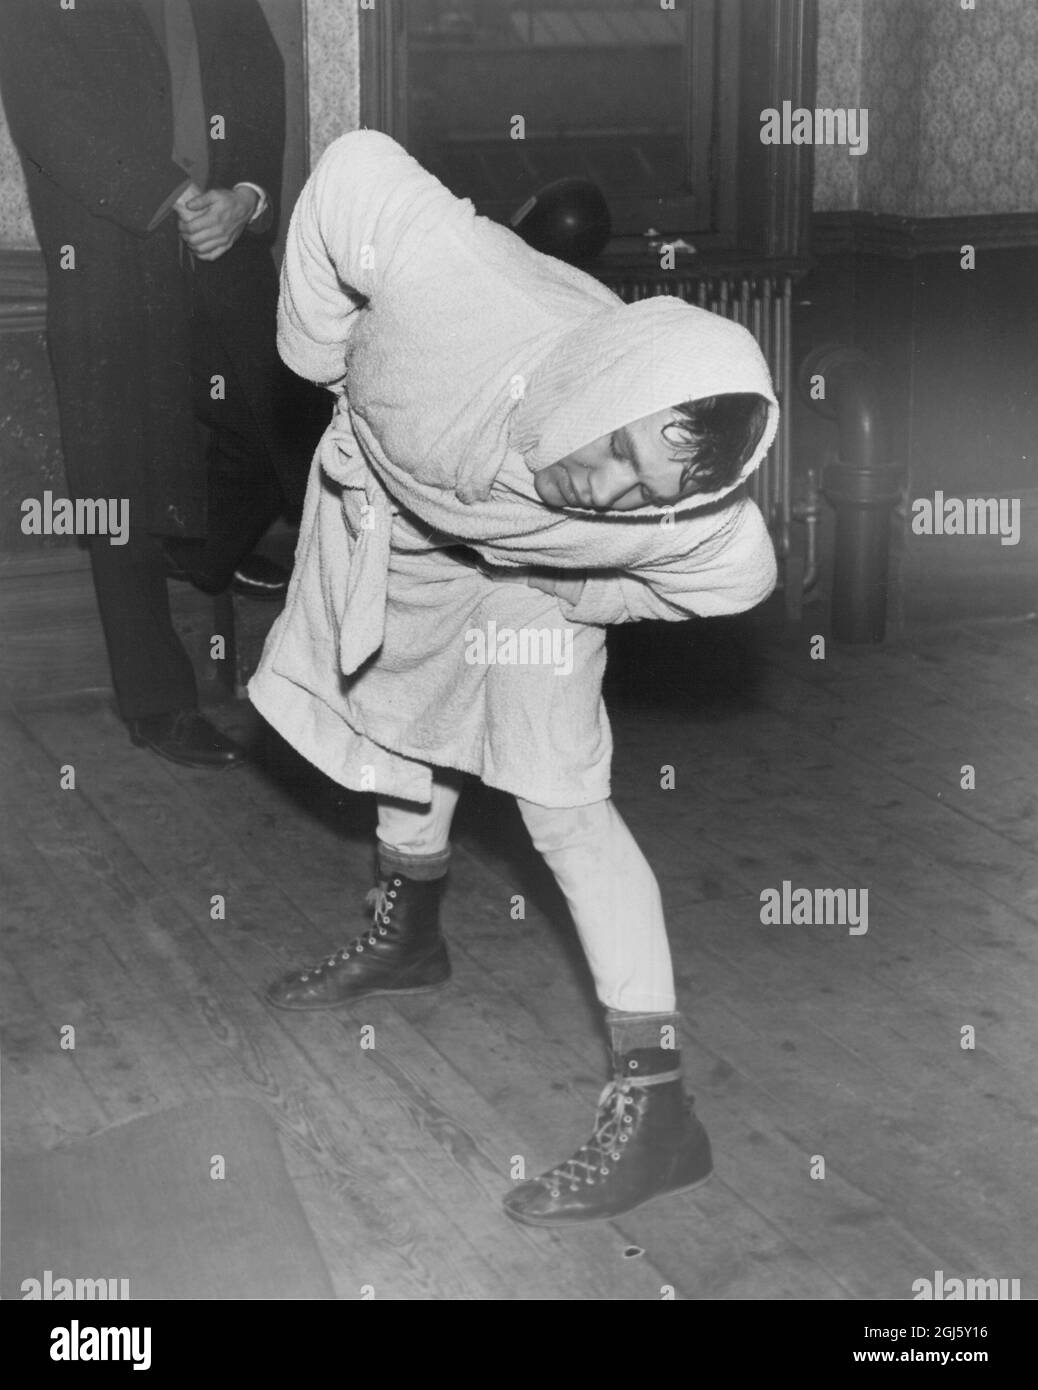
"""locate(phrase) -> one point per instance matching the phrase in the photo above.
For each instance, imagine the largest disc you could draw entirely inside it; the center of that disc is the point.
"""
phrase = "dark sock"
(423, 868)
(645, 1045)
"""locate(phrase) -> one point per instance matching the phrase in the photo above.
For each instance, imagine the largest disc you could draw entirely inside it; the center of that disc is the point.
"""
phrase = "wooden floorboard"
(799, 1041)
(755, 1157)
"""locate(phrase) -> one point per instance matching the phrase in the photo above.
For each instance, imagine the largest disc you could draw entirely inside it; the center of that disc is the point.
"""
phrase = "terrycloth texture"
(629, 362)
(419, 703)
(444, 338)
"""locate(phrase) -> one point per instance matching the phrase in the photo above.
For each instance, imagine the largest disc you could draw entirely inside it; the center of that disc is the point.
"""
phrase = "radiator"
(763, 304)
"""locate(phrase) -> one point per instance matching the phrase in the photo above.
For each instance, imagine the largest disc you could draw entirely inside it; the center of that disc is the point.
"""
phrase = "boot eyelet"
(604, 1172)
(633, 1065)
(382, 931)
(360, 947)
(345, 955)
(615, 1157)
(553, 1192)
(574, 1187)
(624, 1138)
(589, 1182)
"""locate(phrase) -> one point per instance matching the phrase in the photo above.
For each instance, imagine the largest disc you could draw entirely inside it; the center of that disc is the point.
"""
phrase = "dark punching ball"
(568, 219)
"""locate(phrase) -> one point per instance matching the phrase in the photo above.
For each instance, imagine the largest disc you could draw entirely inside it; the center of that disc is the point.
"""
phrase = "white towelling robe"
(461, 362)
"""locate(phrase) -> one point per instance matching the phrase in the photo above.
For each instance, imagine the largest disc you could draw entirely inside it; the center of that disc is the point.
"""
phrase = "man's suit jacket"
(86, 93)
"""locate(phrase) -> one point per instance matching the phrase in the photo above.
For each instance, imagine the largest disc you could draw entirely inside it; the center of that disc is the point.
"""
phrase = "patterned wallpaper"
(334, 64)
(952, 96)
(15, 222)
(893, 36)
(978, 149)
(331, 39)
(839, 84)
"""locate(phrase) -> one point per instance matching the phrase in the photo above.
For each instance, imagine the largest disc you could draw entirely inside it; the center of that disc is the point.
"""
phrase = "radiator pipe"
(862, 484)
(809, 510)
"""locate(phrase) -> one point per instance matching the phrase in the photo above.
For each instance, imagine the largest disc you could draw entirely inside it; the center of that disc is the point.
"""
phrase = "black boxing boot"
(403, 952)
(646, 1141)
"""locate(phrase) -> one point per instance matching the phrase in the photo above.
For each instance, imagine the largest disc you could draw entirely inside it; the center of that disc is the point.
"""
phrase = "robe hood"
(633, 360)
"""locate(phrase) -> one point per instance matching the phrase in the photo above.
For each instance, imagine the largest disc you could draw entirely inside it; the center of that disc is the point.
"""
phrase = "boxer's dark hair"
(715, 438)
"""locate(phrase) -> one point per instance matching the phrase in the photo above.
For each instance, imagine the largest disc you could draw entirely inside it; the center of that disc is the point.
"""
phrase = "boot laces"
(381, 900)
(617, 1111)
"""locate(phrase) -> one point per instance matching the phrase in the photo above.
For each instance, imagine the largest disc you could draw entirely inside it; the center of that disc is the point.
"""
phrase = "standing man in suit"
(151, 133)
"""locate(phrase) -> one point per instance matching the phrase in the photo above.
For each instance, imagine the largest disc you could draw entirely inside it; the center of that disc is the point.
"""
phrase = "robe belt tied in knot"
(368, 513)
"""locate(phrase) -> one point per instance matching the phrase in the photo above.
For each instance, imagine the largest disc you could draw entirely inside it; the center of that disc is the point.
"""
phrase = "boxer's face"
(630, 468)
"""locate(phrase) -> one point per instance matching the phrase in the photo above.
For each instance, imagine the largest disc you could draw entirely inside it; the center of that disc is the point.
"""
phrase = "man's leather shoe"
(258, 577)
(186, 737)
(176, 569)
(255, 577)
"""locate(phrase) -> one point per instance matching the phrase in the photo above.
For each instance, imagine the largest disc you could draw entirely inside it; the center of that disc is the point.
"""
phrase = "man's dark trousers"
(151, 671)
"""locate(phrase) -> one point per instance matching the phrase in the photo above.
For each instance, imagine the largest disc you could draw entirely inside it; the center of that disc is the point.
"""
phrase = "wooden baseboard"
(905, 238)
